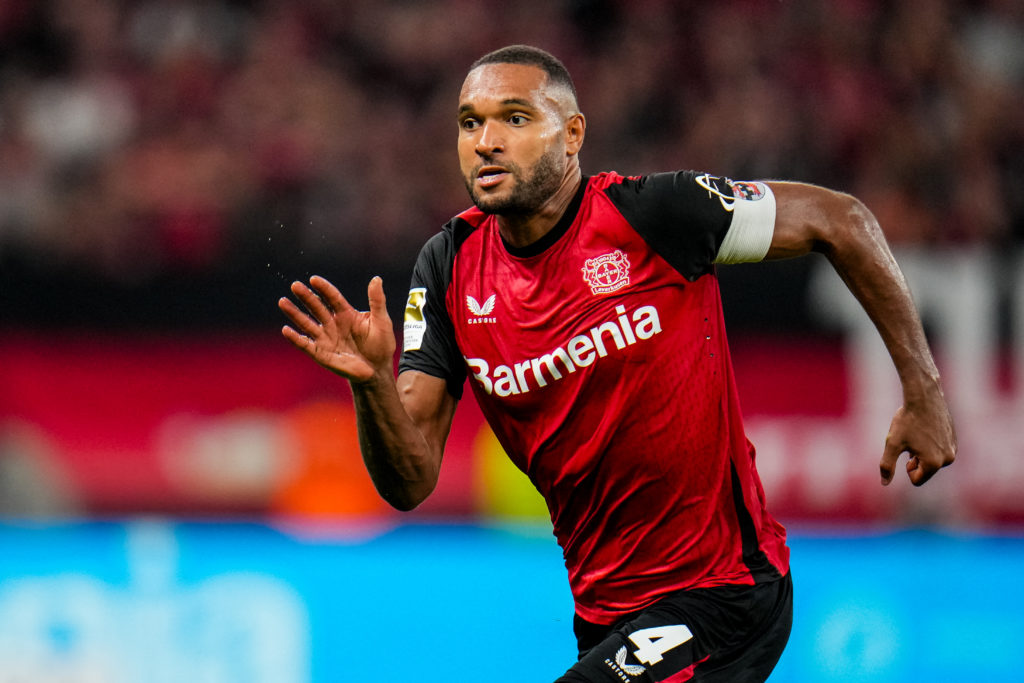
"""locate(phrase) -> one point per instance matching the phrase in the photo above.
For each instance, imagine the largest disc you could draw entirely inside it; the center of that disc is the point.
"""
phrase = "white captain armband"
(753, 224)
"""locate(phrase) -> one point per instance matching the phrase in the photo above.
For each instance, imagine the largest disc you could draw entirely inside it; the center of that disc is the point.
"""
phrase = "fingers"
(919, 470)
(323, 292)
(312, 301)
(327, 311)
(303, 322)
(375, 294)
(928, 439)
(329, 293)
(322, 300)
(301, 341)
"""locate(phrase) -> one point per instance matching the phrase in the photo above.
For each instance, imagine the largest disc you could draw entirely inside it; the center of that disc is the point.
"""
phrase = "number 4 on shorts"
(652, 643)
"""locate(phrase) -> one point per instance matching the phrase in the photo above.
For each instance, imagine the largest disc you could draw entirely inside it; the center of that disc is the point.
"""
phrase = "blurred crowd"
(145, 137)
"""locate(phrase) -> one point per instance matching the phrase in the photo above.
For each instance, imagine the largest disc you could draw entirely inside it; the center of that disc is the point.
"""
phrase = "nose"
(489, 141)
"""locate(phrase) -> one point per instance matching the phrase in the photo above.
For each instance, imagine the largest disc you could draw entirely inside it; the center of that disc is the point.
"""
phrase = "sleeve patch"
(415, 322)
(749, 191)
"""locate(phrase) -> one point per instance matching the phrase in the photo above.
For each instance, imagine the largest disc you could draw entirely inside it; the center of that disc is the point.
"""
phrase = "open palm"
(354, 344)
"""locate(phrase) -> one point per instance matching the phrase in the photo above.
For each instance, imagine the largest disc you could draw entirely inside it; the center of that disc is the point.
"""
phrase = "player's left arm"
(810, 218)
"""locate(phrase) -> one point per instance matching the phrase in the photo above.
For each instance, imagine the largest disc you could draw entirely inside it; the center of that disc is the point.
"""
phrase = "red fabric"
(640, 496)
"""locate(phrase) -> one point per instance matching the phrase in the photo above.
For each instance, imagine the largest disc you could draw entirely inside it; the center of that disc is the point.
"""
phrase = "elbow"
(859, 215)
(845, 223)
(404, 499)
(403, 503)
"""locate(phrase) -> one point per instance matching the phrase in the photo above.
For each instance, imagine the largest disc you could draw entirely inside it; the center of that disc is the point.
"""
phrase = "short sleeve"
(428, 339)
(686, 216)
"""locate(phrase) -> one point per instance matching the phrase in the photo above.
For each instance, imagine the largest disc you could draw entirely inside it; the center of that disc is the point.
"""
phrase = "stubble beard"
(528, 194)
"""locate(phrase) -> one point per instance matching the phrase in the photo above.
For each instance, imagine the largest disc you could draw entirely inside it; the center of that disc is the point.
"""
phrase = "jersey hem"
(607, 617)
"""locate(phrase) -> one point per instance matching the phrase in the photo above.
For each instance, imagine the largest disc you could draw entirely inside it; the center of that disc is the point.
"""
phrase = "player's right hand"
(358, 345)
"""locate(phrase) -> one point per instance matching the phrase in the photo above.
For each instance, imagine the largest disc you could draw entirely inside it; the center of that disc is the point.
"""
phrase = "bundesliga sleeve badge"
(415, 322)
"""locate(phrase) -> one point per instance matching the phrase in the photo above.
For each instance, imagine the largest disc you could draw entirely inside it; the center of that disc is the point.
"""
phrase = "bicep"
(429, 404)
(806, 218)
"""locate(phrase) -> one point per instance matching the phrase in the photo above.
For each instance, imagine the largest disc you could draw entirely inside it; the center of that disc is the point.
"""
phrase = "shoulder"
(465, 223)
(444, 244)
(682, 215)
(669, 185)
(602, 181)
(674, 198)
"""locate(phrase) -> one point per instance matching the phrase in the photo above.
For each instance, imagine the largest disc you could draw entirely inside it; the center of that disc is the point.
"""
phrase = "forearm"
(859, 253)
(402, 462)
(840, 227)
(810, 218)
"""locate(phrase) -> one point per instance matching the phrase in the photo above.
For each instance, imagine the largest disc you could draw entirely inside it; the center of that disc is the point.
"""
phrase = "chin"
(490, 203)
(503, 207)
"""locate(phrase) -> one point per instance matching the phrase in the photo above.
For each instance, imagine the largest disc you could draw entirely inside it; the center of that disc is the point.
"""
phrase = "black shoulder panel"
(682, 215)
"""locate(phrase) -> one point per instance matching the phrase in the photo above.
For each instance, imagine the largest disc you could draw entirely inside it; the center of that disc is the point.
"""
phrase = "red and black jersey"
(598, 356)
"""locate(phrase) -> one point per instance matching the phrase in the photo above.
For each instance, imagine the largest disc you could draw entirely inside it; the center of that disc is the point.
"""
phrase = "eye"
(469, 124)
(517, 120)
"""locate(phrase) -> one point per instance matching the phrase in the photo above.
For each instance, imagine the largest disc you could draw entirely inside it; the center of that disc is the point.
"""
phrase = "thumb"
(375, 294)
(891, 453)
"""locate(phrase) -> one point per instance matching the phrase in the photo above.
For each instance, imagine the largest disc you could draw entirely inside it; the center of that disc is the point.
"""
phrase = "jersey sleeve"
(428, 340)
(689, 218)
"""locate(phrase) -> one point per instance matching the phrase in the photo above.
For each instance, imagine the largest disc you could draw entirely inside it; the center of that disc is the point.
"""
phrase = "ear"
(575, 130)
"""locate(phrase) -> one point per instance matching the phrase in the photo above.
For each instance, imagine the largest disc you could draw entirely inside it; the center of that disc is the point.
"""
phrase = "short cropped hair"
(531, 56)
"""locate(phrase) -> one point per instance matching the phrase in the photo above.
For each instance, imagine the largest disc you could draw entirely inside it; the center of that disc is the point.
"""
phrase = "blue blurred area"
(906, 606)
(154, 601)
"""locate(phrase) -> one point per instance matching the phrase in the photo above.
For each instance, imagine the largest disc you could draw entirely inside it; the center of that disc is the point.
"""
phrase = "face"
(512, 138)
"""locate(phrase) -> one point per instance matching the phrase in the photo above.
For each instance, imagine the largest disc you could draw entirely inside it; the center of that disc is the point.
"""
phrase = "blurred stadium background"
(181, 492)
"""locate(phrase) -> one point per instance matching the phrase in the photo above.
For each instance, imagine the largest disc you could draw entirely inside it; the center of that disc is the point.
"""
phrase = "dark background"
(175, 165)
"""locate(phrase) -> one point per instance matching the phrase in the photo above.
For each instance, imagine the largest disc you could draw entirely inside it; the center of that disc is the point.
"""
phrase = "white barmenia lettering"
(581, 350)
(549, 361)
(624, 323)
(584, 349)
(521, 369)
(597, 334)
(647, 322)
(505, 381)
(479, 368)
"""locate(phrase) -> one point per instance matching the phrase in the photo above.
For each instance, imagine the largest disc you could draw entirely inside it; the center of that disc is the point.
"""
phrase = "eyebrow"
(510, 102)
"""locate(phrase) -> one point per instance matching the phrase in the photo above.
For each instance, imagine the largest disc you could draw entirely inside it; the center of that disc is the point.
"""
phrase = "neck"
(522, 231)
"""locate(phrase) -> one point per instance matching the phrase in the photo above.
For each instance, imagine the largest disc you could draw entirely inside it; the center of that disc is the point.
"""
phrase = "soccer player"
(585, 313)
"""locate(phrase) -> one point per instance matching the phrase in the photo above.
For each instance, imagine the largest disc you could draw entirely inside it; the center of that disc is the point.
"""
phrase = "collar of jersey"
(552, 235)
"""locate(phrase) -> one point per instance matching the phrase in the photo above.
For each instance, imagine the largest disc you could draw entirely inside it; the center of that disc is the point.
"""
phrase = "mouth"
(489, 176)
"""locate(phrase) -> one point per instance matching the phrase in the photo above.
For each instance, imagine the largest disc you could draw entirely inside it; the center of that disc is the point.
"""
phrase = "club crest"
(606, 273)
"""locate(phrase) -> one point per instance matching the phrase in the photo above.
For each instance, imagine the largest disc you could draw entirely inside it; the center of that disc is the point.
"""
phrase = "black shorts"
(726, 634)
